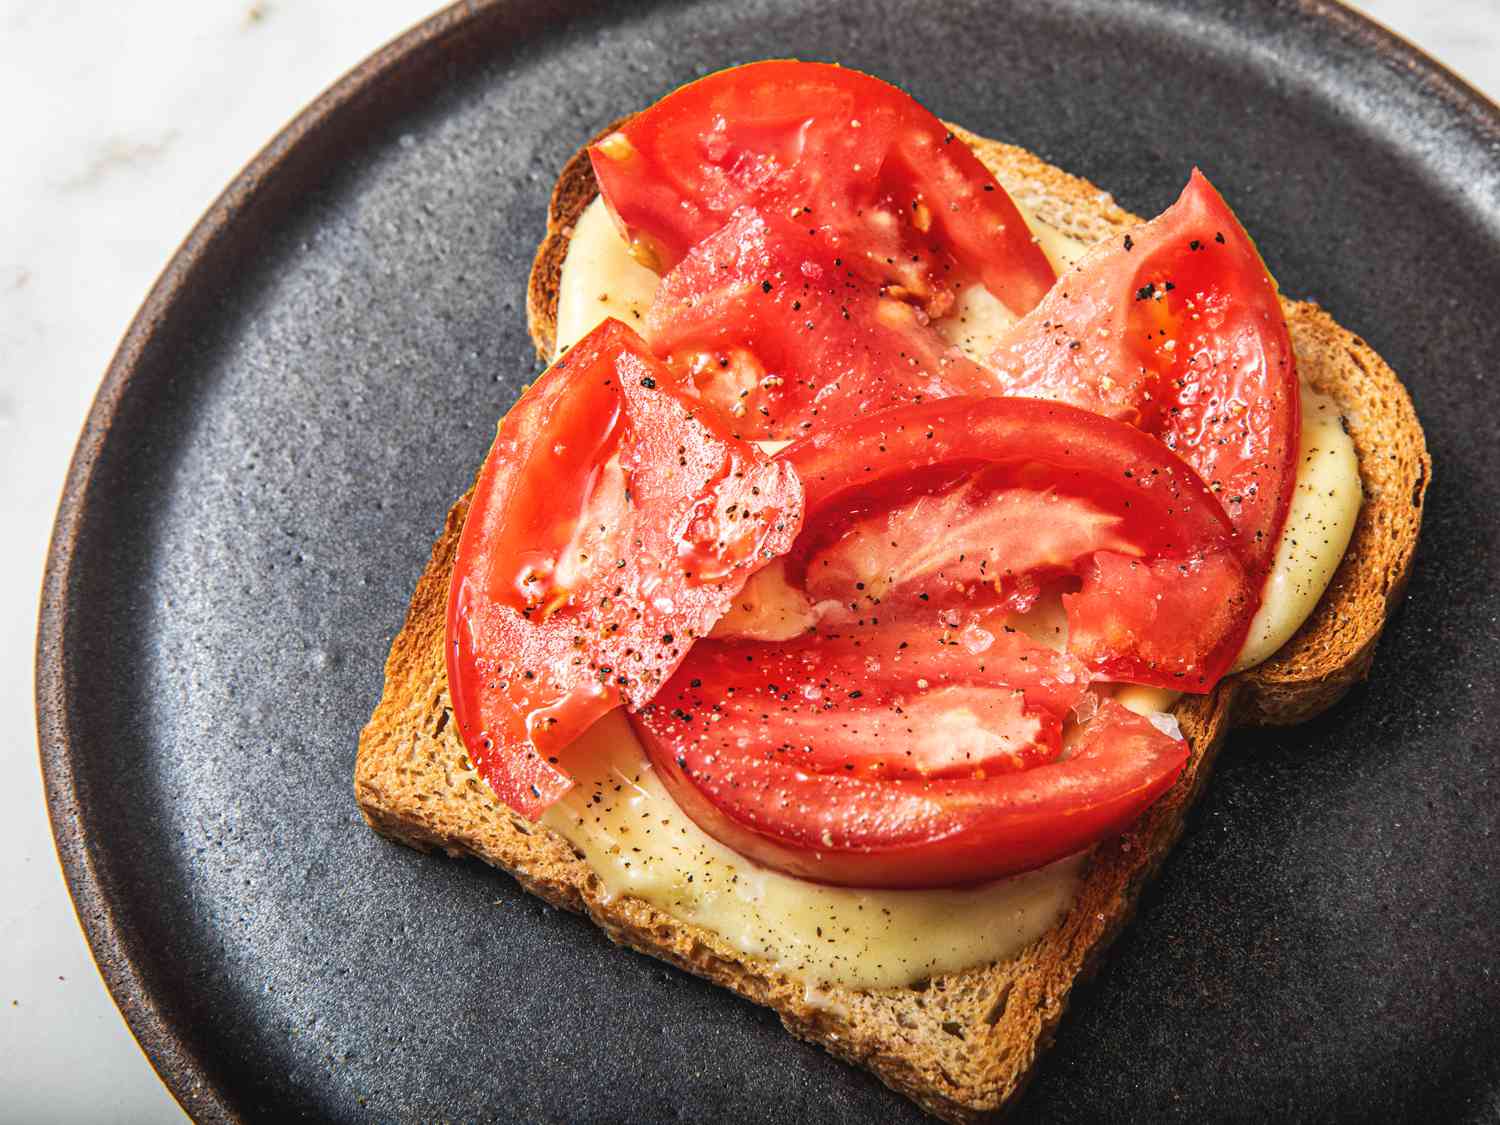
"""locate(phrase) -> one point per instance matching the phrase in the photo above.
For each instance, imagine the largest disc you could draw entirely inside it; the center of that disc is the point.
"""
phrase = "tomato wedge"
(769, 326)
(979, 502)
(883, 183)
(1177, 328)
(613, 521)
(851, 827)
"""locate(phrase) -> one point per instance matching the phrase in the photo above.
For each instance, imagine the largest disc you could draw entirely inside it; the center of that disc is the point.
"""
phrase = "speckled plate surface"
(318, 374)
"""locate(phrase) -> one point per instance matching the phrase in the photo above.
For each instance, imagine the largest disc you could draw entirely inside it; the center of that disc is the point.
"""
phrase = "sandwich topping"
(914, 735)
(881, 184)
(612, 524)
(1176, 328)
(894, 654)
(638, 842)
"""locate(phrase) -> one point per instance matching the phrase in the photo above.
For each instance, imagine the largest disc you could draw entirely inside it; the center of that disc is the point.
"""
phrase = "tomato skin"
(1177, 328)
(910, 833)
(770, 326)
(612, 523)
(883, 181)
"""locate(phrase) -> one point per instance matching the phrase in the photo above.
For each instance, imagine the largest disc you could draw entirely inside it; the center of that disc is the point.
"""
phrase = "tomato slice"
(937, 547)
(1157, 609)
(857, 828)
(883, 183)
(612, 523)
(966, 503)
(908, 700)
(765, 323)
(1177, 328)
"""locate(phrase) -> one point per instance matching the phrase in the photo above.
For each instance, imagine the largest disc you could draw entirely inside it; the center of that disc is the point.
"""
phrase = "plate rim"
(111, 944)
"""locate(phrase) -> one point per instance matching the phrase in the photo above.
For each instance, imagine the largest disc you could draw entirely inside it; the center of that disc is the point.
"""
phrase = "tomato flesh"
(882, 182)
(613, 521)
(831, 698)
(981, 501)
(1163, 612)
(846, 827)
(768, 325)
(993, 533)
(810, 223)
(1177, 328)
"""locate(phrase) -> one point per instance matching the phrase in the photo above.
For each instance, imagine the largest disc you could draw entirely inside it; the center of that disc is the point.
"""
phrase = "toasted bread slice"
(963, 1045)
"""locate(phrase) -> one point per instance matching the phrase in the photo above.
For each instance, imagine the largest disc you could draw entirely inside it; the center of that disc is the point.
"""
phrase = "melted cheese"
(1145, 700)
(979, 321)
(639, 843)
(977, 324)
(599, 280)
(769, 608)
(1319, 525)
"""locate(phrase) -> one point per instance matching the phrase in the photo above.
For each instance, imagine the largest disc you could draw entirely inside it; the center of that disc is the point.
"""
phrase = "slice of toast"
(964, 1044)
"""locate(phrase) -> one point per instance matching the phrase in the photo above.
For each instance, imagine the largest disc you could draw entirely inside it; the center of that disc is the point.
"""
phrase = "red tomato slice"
(938, 547)
(612, 523)
(885, 702)
(1177, 328)
(850, 827)
(882, 181)
(1156, 610)
(771, 328)
(971, 503)
(888, 701)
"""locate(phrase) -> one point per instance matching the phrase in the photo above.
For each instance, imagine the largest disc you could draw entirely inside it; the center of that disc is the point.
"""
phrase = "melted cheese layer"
(1319, 525)
(638, 842)
(599, 280)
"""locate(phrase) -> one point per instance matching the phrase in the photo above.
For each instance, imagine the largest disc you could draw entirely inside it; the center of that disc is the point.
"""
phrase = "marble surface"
(124, 122)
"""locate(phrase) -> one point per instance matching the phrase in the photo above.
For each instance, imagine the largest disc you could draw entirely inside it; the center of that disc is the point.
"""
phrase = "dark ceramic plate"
(316, 377)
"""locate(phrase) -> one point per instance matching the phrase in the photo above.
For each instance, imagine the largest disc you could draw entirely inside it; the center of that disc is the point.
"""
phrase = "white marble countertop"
(124, 123)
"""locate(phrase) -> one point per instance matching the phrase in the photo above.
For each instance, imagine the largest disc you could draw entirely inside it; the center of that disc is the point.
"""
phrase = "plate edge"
(110, 942)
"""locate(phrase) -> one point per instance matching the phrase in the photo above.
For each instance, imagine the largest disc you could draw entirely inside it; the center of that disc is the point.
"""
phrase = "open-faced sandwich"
(853, 609)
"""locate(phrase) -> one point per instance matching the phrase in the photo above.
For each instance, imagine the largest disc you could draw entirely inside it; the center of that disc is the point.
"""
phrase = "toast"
(962, 1045)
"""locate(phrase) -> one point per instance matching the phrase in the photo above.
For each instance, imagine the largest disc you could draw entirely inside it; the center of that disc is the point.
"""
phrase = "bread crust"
(963, 1045)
